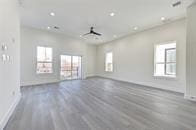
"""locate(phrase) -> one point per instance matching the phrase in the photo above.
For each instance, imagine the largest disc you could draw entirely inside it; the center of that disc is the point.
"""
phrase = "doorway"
(71, 67)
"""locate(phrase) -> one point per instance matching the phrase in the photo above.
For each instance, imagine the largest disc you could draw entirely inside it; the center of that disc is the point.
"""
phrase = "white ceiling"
(75, 17)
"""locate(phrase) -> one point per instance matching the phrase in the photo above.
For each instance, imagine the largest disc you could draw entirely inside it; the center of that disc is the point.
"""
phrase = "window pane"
(44, 60)
(44, 67)
(160, 53)
(44, 54)
(76, 67)
(65, 63)
(109, 62)
(65, 67)
(171, 69)
(160, 69)
(171, 55)
(48, 52)
(109, 67)
(109, 57)
(75, 60)
(65, 74)
(40, 54)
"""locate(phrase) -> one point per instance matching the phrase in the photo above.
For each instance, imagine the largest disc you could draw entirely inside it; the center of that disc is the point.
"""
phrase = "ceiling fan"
(92, 32)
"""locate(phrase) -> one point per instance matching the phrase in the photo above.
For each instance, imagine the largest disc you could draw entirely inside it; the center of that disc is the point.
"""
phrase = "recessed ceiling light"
(52, 14)
(162, 18)
(114, 36)
(112, 14)
(135, 28)
(48, 28)
(80, 35)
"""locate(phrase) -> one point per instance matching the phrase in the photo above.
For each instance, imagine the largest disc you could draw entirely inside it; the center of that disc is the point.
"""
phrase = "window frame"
(37, 62)
(106, 70)
(165, 61)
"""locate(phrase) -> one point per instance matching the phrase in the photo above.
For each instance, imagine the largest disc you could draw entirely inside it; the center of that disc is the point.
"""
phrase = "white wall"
(191, 51)
(134, 58)
(31, 38)
(9, 71)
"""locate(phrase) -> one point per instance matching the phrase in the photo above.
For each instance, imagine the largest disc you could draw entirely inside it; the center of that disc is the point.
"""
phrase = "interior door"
(71, 67)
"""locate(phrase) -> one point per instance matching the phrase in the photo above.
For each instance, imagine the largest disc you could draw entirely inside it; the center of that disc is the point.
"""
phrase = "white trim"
(90, 76)
(165, 77)
(10, 111)
(189, 97)
(38, 83)
(156, 86)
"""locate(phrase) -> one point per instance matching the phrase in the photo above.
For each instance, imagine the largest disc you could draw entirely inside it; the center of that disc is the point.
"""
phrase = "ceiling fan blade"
(86, 34)
(96, 33)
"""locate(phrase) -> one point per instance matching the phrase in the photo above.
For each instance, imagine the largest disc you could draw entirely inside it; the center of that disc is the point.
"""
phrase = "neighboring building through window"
(44, 60)
(165, 60)
(109, 62)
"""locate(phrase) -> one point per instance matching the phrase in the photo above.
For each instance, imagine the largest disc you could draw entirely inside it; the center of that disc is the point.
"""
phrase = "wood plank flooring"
(101, 104)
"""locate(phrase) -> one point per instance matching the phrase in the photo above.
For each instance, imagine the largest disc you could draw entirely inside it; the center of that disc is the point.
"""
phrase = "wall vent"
(55, 27)
(177, 4)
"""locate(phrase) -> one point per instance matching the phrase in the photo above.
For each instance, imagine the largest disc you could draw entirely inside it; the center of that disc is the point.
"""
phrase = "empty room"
(97, 65)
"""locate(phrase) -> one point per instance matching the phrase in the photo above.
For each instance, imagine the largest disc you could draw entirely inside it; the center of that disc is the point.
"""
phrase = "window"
(44, 60)
(165, 60)
(109, 62)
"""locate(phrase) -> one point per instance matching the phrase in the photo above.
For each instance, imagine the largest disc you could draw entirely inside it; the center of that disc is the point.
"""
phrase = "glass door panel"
(76, 67)
(66, 66)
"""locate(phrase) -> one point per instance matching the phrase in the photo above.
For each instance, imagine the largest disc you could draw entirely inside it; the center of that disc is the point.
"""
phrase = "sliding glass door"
(76, 67)
(71, 67)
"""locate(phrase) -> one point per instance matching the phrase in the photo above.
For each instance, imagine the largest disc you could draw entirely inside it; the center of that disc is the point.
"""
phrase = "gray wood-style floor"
(101, 104)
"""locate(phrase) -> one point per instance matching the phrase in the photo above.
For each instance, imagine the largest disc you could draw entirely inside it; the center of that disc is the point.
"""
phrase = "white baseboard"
(90, 76)
(145, 84)
(189, 97)
(38, 83)
(10, 111)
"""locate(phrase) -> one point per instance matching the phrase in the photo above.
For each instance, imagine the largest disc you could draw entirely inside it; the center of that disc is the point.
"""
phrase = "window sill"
(109, 71)
(165, 77)
(44, 73)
